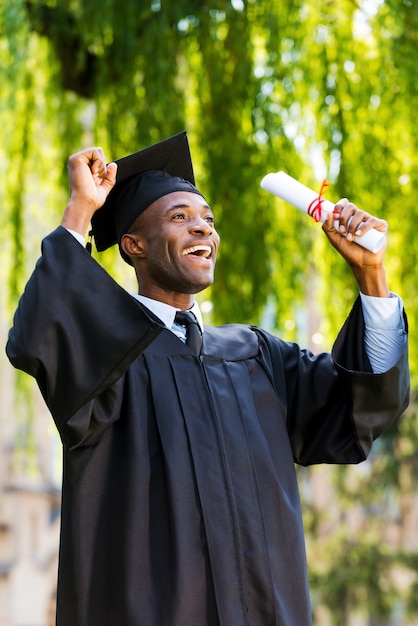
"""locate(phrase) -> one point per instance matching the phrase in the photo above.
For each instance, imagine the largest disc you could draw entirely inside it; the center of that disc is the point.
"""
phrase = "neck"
(181, 301)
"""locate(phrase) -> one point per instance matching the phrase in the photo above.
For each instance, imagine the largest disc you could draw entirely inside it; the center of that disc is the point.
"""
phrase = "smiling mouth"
(200, 251)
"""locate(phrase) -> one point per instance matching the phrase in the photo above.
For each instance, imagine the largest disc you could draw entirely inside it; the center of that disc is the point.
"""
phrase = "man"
(180, 502)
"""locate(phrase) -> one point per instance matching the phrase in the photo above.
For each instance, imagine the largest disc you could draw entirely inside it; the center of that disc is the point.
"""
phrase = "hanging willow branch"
(78, 66)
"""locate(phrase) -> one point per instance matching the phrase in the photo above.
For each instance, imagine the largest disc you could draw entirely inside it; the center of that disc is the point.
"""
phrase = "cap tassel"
(89, 242)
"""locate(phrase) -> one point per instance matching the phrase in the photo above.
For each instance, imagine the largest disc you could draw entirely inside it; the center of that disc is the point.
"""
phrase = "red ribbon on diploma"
(315, 207)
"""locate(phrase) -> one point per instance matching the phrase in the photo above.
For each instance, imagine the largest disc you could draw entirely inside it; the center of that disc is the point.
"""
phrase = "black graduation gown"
(180, 502)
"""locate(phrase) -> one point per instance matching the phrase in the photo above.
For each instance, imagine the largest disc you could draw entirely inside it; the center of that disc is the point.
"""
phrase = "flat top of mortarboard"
(121, 208)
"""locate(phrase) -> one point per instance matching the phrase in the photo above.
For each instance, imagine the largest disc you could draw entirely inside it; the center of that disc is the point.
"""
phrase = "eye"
(210, 219)
(178, 216)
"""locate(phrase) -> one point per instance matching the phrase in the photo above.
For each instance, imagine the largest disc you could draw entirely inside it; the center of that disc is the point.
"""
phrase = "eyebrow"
(184, 205)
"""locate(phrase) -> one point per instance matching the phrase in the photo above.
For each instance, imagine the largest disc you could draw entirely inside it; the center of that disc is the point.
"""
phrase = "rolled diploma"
(287, 188)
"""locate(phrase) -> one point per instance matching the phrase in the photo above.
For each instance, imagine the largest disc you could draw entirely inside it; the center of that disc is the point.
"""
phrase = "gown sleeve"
(335, 406)
(75, 330)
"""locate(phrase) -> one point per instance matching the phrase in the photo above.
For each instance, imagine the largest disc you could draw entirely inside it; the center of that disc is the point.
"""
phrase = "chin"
(192, 288)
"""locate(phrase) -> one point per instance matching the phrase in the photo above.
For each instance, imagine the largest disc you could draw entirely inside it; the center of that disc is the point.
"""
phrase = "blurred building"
(29, 508)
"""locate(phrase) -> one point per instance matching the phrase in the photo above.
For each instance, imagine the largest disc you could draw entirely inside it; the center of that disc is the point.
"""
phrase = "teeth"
(205, 249)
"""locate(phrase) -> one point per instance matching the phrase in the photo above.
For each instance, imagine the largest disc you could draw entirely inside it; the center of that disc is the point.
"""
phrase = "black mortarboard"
(142, 178)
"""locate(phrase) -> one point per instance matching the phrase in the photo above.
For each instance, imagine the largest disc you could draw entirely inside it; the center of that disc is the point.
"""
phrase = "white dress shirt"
(385, 333)
(166, 313)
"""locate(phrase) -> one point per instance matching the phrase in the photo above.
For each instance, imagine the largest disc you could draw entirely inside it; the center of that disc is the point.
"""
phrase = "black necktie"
(193, 333)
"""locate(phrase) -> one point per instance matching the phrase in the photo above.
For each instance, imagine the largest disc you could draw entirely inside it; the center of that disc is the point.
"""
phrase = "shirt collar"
(165, 312)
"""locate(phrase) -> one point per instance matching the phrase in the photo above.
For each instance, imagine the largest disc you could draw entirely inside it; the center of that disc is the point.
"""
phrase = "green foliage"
(358, 574)
(260, 88)
(323, 90)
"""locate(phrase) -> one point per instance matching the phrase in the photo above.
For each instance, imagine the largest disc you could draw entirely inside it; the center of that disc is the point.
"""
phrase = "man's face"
(178, 244)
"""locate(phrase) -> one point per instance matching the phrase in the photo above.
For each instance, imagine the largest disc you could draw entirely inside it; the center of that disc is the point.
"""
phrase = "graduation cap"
(142, 178)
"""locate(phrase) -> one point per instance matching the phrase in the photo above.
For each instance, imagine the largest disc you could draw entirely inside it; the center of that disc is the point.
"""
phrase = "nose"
(201, 226)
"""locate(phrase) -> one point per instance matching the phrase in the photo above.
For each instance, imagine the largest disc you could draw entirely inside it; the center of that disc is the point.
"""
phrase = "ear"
(132, 245)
